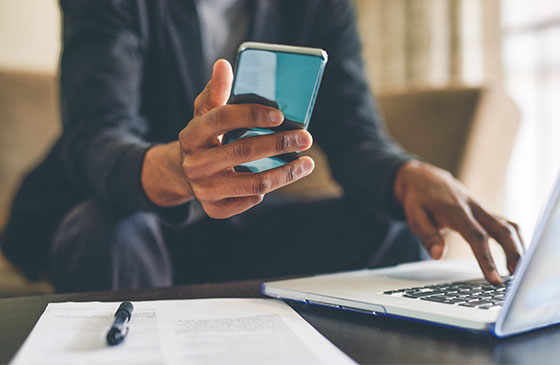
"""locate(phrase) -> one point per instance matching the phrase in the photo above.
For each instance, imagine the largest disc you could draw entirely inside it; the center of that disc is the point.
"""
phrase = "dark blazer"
(130, 71)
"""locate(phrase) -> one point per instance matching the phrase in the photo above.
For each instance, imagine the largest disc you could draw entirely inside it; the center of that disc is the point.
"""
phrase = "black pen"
(119, 329)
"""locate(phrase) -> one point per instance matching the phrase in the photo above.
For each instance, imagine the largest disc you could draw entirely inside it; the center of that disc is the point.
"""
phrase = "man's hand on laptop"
(434, 201)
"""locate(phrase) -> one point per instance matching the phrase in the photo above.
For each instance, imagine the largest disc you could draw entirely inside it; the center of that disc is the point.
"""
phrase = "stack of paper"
(201, 331)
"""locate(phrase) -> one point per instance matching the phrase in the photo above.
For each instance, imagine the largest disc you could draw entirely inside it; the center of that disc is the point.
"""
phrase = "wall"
(29, 35)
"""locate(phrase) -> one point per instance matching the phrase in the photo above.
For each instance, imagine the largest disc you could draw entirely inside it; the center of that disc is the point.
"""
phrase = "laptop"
(449, 292)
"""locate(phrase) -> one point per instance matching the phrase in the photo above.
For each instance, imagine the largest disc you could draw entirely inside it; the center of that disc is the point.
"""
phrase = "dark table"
(365, 338)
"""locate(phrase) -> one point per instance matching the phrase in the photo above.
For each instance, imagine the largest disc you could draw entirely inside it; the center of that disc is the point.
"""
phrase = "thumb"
(217, 90)
(422, 225)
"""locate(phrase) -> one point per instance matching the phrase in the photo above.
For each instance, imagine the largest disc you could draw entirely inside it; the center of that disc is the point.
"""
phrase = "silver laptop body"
(531, 300)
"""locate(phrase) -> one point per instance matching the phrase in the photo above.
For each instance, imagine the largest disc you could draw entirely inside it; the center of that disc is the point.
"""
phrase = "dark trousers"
(96, 248)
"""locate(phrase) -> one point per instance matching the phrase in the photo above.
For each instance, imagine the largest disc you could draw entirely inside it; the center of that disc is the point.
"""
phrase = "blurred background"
(470, 85)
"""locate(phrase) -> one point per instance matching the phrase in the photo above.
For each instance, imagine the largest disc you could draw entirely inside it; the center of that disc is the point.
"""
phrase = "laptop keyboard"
(475, 294)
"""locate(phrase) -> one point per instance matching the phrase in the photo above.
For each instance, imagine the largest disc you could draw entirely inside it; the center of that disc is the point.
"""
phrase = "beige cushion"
(29, 124)
(468, 131)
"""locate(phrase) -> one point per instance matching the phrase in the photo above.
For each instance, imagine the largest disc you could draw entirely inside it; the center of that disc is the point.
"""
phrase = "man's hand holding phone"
(205, 169)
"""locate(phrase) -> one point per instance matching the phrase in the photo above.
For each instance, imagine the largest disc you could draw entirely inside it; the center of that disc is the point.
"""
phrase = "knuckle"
(447, 175)
(253, 200)
(191, 173)
(186, 165)
(253, 113)
(450, 207)
(455, 208)
(217, 115)
(430, 239)
(181, 137)
(505, 231)
(478, 236)
(282, 142)
(261, 186)
(202, 192)
(414, 225)
(514, 256)
(198, 101)
(242, 150)
(514, 225)
(184, 140)
(212, 212)
(209, 211)
(486, 258)
(191, 170)
(291, 174)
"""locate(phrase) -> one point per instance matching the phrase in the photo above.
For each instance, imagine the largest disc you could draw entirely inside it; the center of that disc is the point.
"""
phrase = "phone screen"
(288, 81)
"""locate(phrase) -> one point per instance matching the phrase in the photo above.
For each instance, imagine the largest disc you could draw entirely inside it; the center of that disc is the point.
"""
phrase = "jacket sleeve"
(104, 133)
(346, 122)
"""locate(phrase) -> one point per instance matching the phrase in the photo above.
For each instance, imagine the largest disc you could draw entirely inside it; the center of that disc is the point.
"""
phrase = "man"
(140, 191)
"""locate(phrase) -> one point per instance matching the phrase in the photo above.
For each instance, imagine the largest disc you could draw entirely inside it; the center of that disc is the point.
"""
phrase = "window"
(531, 56)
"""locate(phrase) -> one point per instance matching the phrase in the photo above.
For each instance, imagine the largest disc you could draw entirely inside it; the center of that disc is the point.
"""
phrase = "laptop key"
(449, 296)
(435, 298)
(480, 290)
(419, 295)
(418, 288)
(480, 302)
(473, 297)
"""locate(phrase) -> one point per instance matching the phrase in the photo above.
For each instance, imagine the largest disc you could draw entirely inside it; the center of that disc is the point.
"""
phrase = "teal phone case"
(281, 77)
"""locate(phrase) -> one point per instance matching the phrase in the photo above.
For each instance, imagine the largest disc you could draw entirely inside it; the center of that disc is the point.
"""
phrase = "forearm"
(368, 177)
(162, 176)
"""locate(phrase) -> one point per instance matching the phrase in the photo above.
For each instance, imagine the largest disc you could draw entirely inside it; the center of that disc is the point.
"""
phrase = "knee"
(92, 230)
(405, 246)
(84, 247)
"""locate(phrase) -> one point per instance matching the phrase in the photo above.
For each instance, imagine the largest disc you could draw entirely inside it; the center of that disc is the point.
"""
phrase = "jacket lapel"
(264, 27)
(188, 50)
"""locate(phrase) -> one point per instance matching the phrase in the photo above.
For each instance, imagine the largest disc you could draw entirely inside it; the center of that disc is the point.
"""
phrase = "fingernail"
(308, 165)
(303, 140)
(276, 116)
(436, 251)
(495, 277)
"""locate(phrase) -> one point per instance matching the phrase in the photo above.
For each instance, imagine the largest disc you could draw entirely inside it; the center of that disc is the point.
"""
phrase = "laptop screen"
(535, 298)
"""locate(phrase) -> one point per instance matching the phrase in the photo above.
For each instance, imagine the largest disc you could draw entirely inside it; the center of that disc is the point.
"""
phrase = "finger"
(206, 128)
(421, 224)
(214, 160)
(227, 208)
(502, 232)
(463, 222)
(522, 247)
(217, 90)
(241, 185)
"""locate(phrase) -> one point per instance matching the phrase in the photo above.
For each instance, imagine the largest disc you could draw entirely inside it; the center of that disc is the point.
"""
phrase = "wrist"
(162, 177)
(401, 183)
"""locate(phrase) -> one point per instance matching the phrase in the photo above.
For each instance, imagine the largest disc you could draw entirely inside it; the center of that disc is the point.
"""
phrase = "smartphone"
(280, 76)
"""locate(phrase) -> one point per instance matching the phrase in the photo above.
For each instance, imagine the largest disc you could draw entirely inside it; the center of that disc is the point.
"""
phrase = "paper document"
(198, 331)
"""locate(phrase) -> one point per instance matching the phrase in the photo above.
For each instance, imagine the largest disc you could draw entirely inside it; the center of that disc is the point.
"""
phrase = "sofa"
(467, 130)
